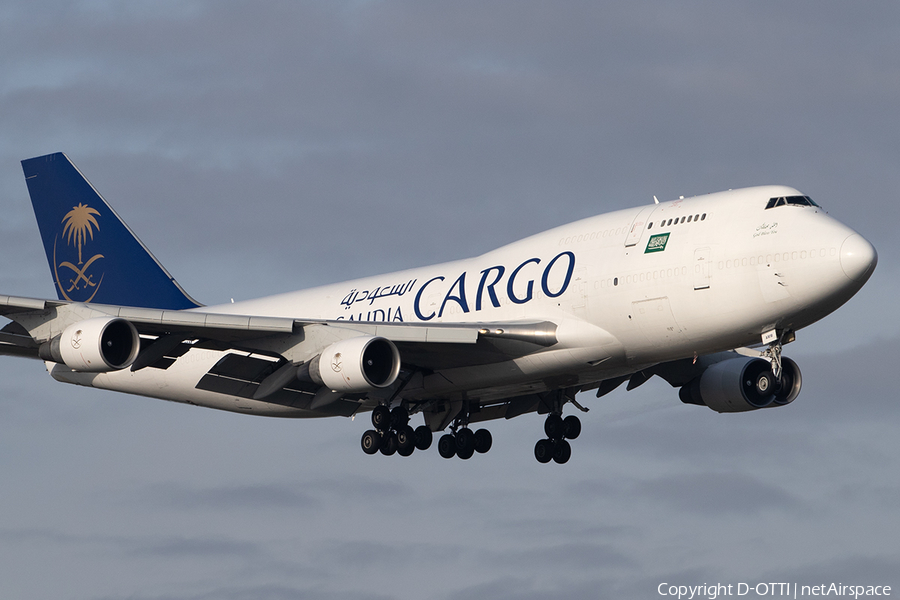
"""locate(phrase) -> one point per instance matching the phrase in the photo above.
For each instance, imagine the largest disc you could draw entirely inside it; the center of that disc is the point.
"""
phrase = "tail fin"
(93, 255)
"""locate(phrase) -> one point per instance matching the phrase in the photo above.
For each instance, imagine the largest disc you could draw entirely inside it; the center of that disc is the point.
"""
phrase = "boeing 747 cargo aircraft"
(703, 292)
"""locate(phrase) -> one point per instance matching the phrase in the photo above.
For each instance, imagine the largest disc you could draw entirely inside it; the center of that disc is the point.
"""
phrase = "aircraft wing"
(429, 346)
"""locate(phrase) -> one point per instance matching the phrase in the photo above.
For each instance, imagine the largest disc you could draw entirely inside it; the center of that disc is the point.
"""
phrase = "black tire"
(543, 451)
(399, 417)
(381, 418)
(562, 452)
(371, 441)
(406, 451)
(571, 427)
(389, 444)
(424, 437)
(465, 453)
(465, 441)
(447, 446)
(406, 438)
(483, 441)
(553, 427)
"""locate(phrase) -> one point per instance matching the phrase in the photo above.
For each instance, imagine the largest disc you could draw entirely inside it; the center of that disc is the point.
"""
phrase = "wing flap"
(414, 332)
(10, 305)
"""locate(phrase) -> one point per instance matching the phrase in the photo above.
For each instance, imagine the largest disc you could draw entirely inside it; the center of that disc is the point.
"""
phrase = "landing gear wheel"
(553, 426)
(381, 417)
(447, 446)
(389, 444)
(465, 453)
(562, 452)
(406, 451)
(543, 451)
(465, 441)
(371, 441)
(406, 438)
(399, 417)
(571, 427)
(423, 437)
(483, 441)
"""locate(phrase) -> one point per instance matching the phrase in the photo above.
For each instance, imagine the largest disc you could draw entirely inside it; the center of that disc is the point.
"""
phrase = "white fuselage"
(626, 289)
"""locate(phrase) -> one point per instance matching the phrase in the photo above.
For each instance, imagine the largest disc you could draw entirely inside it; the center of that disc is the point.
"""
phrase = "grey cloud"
(715, 494)
(525, 589)
(237, 497)
(181, 548)
(259, 592)
(576, 557)
(855, 569)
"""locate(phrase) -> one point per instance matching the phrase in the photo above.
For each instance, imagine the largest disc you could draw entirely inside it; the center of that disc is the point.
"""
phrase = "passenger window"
(703, 217)
(689, 218)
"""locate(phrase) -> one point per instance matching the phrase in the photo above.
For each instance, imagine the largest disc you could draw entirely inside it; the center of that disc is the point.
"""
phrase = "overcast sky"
(262, 147)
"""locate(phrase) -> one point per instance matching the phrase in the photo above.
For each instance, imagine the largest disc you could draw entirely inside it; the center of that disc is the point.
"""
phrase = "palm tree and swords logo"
(78, 229)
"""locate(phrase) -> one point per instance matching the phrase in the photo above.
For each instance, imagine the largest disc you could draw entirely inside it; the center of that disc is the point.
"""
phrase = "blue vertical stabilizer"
(93, 255)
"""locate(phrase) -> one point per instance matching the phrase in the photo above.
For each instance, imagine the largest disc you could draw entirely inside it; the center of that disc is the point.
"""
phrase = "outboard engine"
(97, 345)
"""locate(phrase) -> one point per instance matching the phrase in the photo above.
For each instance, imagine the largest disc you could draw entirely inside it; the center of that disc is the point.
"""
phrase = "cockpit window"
(790, 200)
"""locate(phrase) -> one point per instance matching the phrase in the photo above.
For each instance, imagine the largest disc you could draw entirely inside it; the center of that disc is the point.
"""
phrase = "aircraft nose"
(858, 257)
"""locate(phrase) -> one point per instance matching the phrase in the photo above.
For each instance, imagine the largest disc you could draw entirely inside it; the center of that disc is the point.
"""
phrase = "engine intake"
(358, 364)
(96, 345)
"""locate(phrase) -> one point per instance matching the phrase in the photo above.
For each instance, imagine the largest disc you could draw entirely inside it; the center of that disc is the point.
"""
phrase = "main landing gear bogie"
(465, 443)
(393, 434)
(556, 446)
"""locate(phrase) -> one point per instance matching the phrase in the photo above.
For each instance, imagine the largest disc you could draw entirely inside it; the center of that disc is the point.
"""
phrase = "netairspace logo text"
(791, 590)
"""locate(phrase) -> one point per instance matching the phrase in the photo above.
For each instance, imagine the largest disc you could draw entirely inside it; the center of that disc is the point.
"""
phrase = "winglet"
(93, 255)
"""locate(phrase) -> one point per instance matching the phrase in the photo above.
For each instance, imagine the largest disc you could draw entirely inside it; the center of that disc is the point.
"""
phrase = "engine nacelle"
(358, 364)
(97, 345)
(741, 384)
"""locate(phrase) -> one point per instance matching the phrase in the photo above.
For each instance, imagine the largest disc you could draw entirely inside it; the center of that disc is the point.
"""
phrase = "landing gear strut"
(786, 378)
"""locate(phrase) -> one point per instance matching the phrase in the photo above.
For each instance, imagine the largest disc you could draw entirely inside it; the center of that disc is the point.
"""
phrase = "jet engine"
(741, 384)
(97, 345)
(358, 364)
